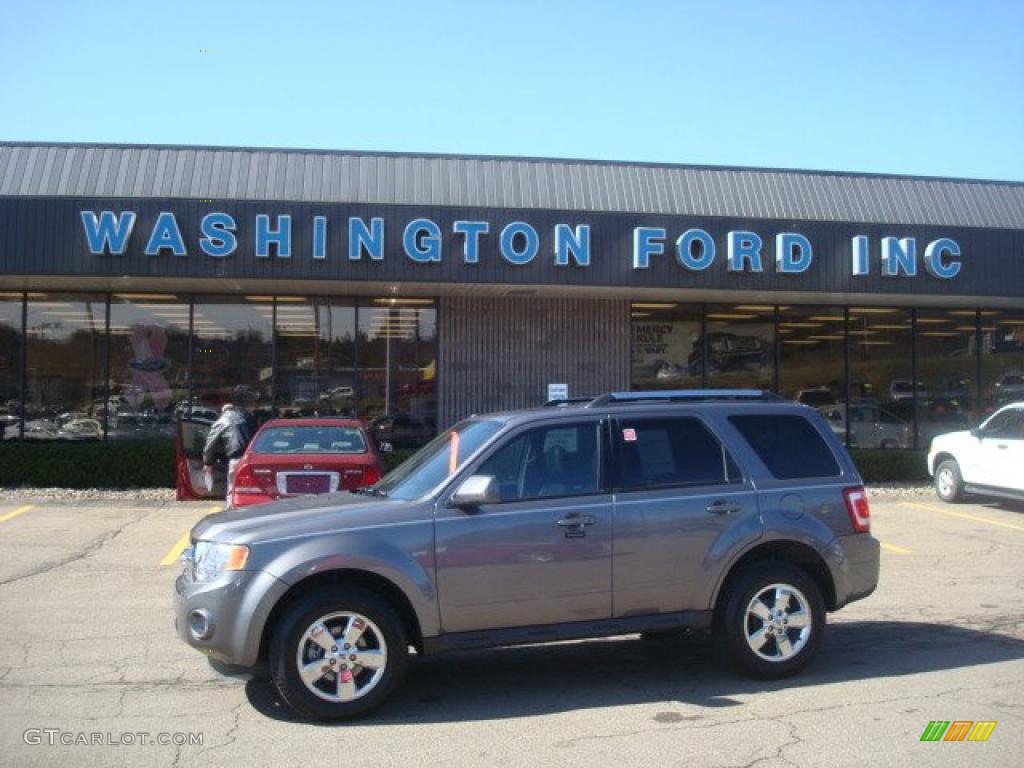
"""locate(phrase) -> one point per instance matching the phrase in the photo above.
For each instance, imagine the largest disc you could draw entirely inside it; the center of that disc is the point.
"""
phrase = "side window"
(1004, 425)
(670, 452)
(789, 445)
(559, 460)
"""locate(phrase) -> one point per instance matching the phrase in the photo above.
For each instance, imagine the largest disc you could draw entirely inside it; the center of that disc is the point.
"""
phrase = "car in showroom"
(285, 458)
(985, 461)
(734, 511)
(870, 426)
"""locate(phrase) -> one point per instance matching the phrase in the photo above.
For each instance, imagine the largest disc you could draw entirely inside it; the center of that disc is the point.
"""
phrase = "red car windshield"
(309, 439)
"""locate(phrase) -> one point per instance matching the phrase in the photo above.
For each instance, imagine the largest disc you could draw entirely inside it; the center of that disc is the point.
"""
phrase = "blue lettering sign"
(361, 237)
(577, 243)
(166, 235)
(319, 238)
(899, 256)
(860, 265)
(935, 258)
(280, 237)
(218, 238)
(107, 234)
(744, 248)
(531, 243)
(793, 253)
(422, 241)
(472, 230)
(695, 249)
(647, 243)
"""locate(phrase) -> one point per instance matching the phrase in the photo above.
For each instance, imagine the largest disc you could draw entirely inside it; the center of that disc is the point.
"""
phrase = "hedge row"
(150, 464)
(878, 465)
(114, 464)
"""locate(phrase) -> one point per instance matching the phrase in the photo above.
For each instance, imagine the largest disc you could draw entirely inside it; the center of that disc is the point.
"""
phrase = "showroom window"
(947, 393)
(812, 354)
(398, 369)
(666, 346)
(10, 365)
(148, 373)
(881, 372)
(1002, 358)
(65, 354)
(739, 346)
(233, 355)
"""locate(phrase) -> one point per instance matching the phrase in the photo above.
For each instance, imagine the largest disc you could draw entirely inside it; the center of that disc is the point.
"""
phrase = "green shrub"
(393, 459)
(878, 465)
(114, 464)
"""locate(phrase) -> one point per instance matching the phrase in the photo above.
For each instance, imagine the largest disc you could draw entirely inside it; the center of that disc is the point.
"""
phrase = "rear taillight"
(857, 508)
(370, 475)
(245, 482)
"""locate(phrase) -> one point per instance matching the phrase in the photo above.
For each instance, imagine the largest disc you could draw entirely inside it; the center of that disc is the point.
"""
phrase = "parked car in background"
(285, 458)
(727, 352)
(401, 430)
(815, 397)
(903, 389)
(987, 460)
(305, 457)
(870, 426)
(1009, 386)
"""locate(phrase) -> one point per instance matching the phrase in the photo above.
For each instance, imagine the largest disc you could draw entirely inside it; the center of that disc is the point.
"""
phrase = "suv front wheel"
(337, 654)
(771, 621)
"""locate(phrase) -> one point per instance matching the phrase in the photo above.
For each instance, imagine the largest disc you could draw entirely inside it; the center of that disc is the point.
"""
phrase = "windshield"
(326, 439)
(438, 459)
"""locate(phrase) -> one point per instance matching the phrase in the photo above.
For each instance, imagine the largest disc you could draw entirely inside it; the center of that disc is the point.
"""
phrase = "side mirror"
(476, 490)
(385, 447)
(977, 432)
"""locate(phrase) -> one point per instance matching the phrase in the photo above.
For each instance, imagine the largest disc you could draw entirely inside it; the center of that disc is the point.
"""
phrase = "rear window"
(788, 445)
(672, 452)
(326, 439)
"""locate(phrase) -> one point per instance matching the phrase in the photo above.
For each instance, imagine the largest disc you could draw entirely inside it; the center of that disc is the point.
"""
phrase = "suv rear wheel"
(949, 485)
(338, 654)
(771, 620)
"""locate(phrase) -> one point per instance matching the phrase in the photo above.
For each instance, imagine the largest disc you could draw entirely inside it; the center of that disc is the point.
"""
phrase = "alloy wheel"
(778, 622)
(341, 656)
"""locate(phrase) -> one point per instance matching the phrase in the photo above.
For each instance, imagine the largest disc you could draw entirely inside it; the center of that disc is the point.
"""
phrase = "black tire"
(949, 484)
(732, 623)
(302, 614)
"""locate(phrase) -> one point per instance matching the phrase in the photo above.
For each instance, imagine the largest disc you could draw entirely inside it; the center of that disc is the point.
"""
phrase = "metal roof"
(100, 170)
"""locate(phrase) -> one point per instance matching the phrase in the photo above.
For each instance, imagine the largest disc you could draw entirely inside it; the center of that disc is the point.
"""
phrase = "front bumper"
(231, 611)
(855, 561)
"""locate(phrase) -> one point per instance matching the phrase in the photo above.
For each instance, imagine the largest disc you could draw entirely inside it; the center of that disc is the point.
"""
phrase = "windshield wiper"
(370, 491)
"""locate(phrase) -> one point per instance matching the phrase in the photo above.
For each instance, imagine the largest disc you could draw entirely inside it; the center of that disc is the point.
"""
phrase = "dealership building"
(139, 283)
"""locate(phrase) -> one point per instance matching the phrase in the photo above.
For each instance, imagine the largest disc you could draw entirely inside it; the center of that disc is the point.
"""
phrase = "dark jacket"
(228, 436)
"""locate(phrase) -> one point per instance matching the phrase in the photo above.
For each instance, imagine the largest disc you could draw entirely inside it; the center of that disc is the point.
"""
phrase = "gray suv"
(637, 512)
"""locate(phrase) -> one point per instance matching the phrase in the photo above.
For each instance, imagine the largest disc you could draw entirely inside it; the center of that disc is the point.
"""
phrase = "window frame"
(615, 442)
(599, 425)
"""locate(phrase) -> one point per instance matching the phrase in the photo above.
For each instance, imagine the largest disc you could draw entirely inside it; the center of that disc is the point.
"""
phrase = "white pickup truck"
(987, 460)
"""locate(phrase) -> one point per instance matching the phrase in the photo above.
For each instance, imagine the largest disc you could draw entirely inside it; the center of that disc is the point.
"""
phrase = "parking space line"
(964, 515)
(893, 548)
(179, 546)
(15, 513)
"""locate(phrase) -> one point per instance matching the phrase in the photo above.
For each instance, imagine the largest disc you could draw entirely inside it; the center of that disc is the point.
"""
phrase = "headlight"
(213, 559)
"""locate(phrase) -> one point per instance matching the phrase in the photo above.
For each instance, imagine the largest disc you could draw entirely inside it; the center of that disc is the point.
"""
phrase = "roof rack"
(684, 396)
(562, 402)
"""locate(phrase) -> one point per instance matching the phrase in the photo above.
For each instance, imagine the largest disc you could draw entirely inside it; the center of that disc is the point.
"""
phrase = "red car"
(287, 457)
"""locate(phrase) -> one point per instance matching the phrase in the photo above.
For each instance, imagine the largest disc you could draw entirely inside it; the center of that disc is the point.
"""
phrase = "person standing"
(228, 437)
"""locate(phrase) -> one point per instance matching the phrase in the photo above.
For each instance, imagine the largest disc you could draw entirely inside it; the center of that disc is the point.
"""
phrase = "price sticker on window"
(629, 435)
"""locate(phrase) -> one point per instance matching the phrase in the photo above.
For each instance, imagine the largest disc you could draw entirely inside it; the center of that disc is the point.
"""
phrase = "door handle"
(723, 508)
(1002, 447)
(576, 521)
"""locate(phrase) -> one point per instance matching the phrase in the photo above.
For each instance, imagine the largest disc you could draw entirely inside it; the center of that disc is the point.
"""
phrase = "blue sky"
(931, 88)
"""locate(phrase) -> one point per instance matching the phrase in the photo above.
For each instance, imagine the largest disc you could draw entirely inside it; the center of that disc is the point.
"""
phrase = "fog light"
(199, 625)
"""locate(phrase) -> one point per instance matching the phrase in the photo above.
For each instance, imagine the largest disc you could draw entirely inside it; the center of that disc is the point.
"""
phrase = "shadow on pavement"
(527, 681)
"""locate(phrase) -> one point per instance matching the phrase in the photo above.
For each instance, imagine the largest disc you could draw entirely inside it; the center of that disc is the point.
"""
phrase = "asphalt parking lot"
(87, 647)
